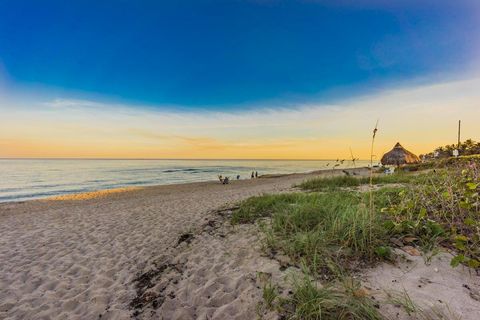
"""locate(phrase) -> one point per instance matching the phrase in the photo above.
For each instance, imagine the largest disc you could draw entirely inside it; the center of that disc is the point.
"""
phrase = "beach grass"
(341, 301)
(263, 206)
(331, 231)
(335, 183)
(338, 225)
(328, 236)
(306, 226)
(269, 294)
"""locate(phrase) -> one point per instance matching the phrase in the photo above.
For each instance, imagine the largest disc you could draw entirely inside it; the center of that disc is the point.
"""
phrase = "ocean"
(22, 179)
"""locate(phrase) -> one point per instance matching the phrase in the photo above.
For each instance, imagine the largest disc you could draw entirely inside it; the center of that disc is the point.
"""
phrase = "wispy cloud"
(421, 117)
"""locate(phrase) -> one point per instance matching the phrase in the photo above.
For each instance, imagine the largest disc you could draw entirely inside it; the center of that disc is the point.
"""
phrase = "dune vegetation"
(331, 231)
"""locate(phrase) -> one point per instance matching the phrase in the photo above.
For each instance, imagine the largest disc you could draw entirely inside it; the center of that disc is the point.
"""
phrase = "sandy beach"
(77, 257)
(165, 252)
(239, 160)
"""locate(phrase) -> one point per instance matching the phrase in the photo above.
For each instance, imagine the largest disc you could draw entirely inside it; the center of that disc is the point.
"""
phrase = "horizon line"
(192, 159)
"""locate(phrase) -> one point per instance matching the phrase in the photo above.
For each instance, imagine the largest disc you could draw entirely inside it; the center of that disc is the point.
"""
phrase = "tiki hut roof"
(398, 156)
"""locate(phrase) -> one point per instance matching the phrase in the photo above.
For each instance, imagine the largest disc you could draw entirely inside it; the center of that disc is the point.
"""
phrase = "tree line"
(466, 148)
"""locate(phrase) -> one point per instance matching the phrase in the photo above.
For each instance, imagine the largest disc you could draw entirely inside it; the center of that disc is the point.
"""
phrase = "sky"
(261, 79)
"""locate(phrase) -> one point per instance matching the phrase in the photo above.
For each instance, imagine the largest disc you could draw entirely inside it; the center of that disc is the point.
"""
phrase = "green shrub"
(444, 208)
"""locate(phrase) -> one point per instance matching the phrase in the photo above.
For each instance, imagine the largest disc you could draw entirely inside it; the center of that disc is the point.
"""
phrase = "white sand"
(70, 259)
(115, 255)
(437, 289)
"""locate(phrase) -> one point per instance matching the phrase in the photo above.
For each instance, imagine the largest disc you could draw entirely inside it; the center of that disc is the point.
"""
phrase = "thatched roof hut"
(399, 156)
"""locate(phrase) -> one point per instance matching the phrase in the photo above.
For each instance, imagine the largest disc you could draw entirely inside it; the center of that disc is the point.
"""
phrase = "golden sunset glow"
(421, 118)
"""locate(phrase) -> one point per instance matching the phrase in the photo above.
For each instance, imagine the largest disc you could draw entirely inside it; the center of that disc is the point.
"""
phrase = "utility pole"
(459, 124)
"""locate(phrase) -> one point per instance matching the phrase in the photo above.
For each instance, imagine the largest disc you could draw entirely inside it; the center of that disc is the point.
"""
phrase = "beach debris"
(412, 251)
(151, 285)
(474, 294)
(145, 282)
(424, 281)
(409, 239)
(186, 237)
(361, 292)
(284, 261)
(396, 242)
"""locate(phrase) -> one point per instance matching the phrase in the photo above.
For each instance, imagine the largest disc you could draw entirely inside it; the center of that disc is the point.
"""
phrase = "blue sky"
(266, 79)
(229, 55)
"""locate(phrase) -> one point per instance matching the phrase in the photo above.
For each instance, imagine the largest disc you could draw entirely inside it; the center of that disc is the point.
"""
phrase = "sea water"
(24, 179)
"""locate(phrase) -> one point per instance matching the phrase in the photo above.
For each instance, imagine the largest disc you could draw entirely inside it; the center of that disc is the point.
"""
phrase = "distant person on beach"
(253, 175)
(256, 174)
(238, 177)
(220, 178)
(225, 180)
